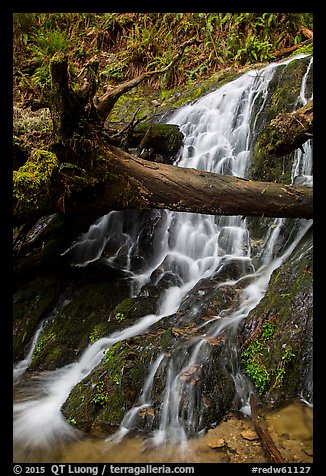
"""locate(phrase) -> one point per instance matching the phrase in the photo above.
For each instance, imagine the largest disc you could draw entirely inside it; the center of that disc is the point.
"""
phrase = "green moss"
(34, 175)
(81, 322)
(165, 138)
(285, 88)
(306, 50)
(268, 330)
(112, 352)
(113, 410)
(266, 166)
(101, 396)
(125, 307)
(99, 330)
(166, 339)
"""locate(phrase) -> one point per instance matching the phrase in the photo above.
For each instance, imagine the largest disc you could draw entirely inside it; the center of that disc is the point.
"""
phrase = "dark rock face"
(287, 311)
(78, 307)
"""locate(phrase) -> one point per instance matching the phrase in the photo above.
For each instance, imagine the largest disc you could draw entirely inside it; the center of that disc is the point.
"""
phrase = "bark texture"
(131, 182)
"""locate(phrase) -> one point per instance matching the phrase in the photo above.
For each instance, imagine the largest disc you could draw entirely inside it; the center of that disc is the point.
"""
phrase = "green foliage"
(94, 336)
(43, 45)
(111, 353)
(72, 421)
(254, 50)
(307, 49)
(268, 330)
(128, 44)
(101, 396)
(256, 364)
(114, 71)
(254, 367)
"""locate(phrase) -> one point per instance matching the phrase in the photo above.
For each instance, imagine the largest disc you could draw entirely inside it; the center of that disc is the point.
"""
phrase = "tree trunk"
(131, 182)
(62, 103)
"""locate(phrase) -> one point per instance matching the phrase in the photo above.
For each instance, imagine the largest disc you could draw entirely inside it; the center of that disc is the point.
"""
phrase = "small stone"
(249, 435)
(216, 443)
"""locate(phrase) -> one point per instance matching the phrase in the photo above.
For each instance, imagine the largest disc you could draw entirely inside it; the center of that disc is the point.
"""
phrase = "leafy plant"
(43, 342)
(115, 70)
(72, 421)
(43, 45)
(94, 336)
(256, 370)
(254, 50)
(254, 360)
(101, 396)
(120, 316)
(268, 330)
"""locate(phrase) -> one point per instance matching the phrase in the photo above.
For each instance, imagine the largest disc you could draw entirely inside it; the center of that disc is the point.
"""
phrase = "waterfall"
(183, 249)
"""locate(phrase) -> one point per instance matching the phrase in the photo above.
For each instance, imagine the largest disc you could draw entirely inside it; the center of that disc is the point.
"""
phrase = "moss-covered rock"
(132, 308)
(100, 400)
(164, 139)
(32, 180)
(78, 324)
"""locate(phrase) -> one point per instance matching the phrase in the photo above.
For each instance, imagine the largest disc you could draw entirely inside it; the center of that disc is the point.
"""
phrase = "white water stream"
(187, 248)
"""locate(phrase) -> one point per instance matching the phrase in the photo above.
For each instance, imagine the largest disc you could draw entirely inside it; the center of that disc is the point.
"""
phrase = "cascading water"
(183, 249)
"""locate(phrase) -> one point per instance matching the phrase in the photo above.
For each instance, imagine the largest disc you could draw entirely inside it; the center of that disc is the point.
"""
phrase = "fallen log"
(119, 180)
(272, 453)
(288, 51)
(132, 182)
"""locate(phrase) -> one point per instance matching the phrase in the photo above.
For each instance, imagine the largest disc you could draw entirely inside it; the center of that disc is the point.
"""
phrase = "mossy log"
(125, 181)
